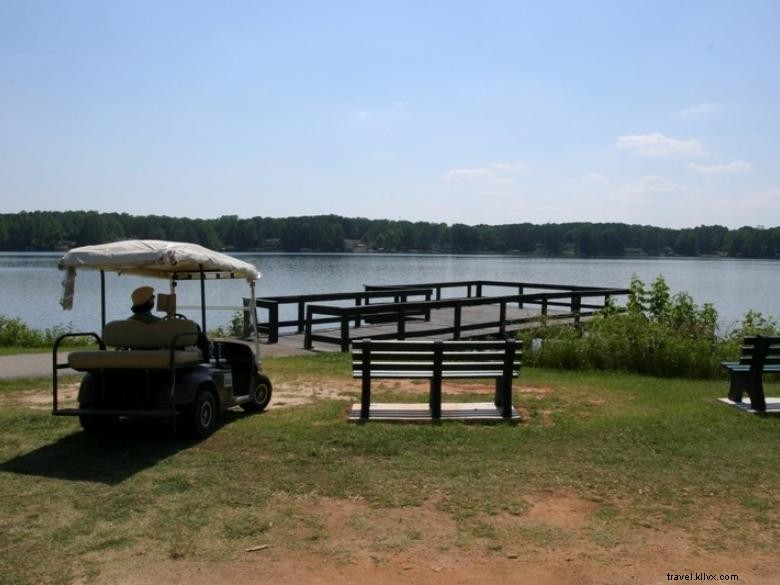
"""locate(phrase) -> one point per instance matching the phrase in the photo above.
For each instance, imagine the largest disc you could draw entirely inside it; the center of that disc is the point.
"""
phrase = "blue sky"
(666, 113)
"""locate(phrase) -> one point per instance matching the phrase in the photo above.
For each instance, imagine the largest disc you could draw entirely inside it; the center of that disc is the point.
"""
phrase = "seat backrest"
(139, 335)
(419, 356)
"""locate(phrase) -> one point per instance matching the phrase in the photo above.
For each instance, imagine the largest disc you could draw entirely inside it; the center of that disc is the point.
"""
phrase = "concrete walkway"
(37, 365)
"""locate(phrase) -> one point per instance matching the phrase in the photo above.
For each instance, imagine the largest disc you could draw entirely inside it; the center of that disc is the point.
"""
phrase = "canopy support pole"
(102, 300)
(202, 298)
(253, 319)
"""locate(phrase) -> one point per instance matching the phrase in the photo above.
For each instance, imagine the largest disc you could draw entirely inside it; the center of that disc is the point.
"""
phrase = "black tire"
(199, 419)
(96, 424)
(261, 394)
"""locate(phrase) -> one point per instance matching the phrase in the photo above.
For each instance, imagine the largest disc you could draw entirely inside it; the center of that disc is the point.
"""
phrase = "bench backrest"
(477, 357)
(162, 334)
(764, 348)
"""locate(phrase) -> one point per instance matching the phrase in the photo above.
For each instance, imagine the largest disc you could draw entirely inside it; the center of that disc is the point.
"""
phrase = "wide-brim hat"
(142, 295)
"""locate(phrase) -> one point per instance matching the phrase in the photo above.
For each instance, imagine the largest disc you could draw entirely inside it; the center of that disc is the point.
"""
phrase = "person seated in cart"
(143, 303)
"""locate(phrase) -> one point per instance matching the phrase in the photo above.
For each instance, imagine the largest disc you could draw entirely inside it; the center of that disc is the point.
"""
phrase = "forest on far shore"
(56, 230)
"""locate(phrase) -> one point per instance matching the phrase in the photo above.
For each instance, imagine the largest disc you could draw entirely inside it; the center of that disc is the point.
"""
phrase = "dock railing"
(270, 323)
(573, 299)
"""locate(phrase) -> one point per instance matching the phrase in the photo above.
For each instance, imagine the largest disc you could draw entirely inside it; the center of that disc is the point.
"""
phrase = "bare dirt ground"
(353, 555)
(554, 540)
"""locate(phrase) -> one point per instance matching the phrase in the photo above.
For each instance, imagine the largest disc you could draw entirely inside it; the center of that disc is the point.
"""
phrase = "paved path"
(36, 365)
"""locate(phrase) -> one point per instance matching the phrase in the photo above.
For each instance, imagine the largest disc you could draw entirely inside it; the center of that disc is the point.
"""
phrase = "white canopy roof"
(155, 258)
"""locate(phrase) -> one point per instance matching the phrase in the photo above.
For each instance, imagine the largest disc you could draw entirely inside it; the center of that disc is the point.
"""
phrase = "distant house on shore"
(355, 246)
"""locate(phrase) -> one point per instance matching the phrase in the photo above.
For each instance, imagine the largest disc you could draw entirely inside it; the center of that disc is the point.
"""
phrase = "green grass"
(643, 451)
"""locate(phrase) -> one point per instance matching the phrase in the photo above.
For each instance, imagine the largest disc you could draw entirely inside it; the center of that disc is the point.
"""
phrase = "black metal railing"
(572, 299)
(270, 323)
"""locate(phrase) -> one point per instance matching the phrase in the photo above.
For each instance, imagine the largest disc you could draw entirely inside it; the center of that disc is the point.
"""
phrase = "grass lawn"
(636, 453)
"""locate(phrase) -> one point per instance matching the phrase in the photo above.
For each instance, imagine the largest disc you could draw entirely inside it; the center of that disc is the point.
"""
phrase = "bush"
(658, 335)
(16, 333)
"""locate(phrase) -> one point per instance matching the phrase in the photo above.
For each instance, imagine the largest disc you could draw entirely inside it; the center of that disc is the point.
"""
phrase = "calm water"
(30, 283)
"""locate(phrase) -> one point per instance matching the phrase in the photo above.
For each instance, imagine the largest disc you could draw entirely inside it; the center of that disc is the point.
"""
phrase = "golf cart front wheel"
(261, 394)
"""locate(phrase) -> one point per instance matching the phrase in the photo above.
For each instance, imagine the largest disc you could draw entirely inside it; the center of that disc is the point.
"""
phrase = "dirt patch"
(566, 511)
(41, 398)
(554, 541)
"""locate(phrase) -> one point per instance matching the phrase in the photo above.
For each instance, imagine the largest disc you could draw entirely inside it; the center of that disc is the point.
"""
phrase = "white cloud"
(595, 179)
(655, 184)
(497, 173)
(698, 110)
(736, 166)
(656, 144)
(468, 174)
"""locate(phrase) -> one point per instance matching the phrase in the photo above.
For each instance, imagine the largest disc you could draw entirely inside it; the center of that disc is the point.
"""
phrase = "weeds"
(658, 335)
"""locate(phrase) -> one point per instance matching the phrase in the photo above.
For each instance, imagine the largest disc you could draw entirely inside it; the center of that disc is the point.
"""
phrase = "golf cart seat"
(138, 345)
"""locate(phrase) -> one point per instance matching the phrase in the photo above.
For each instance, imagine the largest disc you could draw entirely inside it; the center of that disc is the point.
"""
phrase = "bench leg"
(756, 393)
(435, 398)
(365, 397)
(739, 384)
(503, 397)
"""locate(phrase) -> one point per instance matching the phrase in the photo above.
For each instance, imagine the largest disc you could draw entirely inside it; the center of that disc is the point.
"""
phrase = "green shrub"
(658, 334)
(16, 333)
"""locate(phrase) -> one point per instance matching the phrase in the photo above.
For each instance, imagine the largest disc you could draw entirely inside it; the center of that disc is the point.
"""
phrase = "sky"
(664, 113)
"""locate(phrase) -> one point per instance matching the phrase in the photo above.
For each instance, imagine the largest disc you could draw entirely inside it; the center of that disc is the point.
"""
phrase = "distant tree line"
(52, 230)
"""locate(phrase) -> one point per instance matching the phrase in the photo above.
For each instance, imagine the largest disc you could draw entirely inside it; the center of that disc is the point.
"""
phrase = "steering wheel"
(174, 316)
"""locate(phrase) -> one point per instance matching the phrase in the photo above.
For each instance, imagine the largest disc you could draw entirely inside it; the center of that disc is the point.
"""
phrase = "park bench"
(436, 361)
(760, 355)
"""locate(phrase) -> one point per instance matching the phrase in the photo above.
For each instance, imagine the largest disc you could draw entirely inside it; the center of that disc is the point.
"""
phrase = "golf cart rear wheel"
(95, 424)
(261, 394)
(199, 419)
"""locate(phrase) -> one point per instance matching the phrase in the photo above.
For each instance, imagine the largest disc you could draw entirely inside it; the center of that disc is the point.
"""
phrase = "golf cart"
(168, 369)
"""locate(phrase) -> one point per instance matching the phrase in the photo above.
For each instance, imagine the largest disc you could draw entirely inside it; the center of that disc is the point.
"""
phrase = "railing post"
(456, 333)
(502, 319)
(468, 288)
(344, 332)
(273, 322)
(358, 303)
(438, 293)
(434, 401)
(544, 306)
(479, 290)
(576, 308)
(307, 344)
(520, 292)
(301, 315)
(428, 310)
(401, 329)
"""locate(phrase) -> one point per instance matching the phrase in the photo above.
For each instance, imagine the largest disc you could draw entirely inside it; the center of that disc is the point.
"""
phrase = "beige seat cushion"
(141, 359)
(146, 346)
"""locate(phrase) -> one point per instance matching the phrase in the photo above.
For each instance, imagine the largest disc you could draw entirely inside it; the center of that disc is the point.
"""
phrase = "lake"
(30, 282)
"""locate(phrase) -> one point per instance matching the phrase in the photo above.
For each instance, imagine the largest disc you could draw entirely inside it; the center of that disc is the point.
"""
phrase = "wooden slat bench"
(436, 361)
(760, 355)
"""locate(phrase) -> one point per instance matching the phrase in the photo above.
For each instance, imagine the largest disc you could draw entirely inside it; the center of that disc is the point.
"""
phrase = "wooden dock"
(475, 309)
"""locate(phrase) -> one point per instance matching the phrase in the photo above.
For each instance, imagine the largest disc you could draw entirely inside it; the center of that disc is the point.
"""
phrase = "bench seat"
(759, 355)
(141, 359)
(142, 346)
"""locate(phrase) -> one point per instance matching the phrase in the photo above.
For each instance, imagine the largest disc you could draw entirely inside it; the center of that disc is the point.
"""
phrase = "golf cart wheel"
(199, 419)
(261, 394)
(95, 424)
